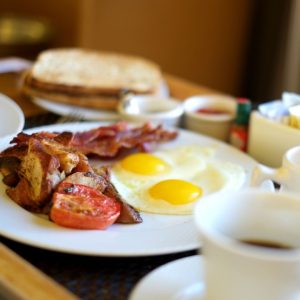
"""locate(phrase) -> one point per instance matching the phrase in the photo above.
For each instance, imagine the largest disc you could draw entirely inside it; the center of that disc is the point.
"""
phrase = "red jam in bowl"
(212, 111)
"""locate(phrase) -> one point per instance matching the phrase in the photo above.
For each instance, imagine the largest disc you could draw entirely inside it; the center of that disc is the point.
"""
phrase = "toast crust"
(106, 102)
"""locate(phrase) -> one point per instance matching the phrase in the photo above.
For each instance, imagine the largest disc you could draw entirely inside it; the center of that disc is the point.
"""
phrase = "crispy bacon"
(104, 141)
(21, 142)
(34, 176)
(17, 151)
(23, 138)
(128, 214)
(109, 141)
(39, 174)
(8, 168)
(36, 163)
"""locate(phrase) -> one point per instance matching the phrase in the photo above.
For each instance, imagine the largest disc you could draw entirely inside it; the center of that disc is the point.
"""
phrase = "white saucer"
(181, 279)
(11, 117)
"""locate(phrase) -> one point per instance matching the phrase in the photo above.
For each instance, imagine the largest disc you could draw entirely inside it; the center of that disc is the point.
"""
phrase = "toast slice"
(89, 78)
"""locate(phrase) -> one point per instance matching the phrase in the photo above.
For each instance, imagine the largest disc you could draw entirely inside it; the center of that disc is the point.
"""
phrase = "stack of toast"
(89, 78)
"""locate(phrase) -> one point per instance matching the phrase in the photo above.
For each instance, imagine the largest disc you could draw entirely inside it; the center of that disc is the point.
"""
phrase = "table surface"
(90, 277)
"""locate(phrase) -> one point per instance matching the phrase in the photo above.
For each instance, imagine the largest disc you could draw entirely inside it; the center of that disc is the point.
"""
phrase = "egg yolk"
(175, 191)
(144, 164)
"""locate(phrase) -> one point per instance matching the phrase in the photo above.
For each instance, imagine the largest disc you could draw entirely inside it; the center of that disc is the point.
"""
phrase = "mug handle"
(262, 173)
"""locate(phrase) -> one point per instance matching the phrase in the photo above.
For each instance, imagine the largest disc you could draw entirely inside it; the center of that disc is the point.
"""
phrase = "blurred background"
(242, 47)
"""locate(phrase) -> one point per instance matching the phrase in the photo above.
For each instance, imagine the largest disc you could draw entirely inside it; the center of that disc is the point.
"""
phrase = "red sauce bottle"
(239, 130)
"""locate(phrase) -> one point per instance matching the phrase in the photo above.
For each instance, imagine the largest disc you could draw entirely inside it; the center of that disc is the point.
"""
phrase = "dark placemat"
(93, 278)
(89, 277)
(40, 120)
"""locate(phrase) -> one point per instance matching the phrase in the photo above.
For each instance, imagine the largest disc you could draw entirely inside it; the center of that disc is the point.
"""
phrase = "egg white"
(192, 163)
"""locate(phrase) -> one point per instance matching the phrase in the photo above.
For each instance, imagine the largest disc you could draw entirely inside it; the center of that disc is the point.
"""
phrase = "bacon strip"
(109, 141)
(104, 141)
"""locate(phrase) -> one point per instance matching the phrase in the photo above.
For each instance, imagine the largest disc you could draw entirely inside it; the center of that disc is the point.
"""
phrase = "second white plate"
(89, 113)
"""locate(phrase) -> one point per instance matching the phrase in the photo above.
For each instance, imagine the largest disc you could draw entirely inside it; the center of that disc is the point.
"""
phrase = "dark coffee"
(266, 244)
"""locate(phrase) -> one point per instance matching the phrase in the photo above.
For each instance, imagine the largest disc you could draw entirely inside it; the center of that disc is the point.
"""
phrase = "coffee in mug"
(266, 244)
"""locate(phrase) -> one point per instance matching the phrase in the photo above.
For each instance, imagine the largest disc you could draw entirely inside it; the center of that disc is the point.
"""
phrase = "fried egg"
(172, 181)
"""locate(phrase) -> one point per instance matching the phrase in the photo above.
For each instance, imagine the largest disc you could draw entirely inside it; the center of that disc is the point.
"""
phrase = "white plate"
(85, 113)
(181, 279)
(11, 117)
(158, 234)
(88, 113)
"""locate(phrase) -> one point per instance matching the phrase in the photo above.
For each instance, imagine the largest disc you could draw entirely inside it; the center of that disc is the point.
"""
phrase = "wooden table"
(179, 88)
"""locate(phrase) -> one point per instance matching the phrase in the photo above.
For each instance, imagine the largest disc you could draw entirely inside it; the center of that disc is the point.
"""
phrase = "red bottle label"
(238, 138)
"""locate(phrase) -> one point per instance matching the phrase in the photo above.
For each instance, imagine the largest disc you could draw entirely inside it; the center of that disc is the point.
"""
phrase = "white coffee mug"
(240, 232)
(288, 175)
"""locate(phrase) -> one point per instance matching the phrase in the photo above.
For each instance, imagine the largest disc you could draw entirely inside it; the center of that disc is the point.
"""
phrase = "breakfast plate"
(88, 113)
(11, 117)
(158, 234)
(180, 279)
(68, 109)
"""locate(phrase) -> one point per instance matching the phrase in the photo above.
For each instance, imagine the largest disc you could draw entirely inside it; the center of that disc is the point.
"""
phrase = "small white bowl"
(154, 109)
(11, 117)
(215, 125)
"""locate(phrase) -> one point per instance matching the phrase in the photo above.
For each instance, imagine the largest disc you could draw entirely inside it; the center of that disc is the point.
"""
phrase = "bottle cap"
(243, 111)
